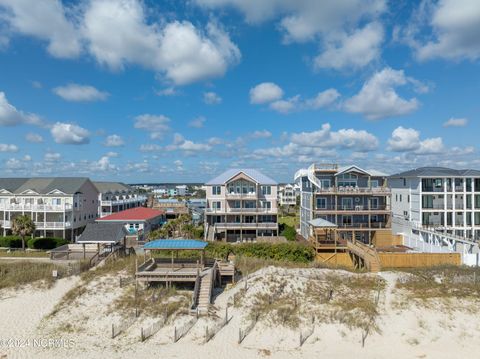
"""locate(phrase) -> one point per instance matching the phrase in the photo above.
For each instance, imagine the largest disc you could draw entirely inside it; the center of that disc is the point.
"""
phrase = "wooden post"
(84, 255)
(172, 260)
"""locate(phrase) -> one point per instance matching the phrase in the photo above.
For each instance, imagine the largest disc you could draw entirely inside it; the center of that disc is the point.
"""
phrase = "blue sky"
(180, 91)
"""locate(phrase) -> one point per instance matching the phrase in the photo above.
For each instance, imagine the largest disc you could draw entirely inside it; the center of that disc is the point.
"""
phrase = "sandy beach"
(83, 328)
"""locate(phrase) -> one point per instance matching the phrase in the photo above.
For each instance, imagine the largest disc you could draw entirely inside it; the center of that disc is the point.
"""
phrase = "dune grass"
(27, 253)
(153, 301)
(14, 274)
(443, 283)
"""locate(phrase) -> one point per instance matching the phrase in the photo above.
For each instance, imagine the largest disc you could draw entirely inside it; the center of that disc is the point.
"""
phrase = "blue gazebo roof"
(175, 244)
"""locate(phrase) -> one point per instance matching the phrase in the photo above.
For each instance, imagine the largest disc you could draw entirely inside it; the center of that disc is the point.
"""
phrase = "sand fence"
(210, 332)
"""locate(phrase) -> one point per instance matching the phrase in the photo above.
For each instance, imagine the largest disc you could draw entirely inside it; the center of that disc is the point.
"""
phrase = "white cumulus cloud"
(69, 134)
(455, 122)
(378, 99)
(211, 98)
(114, 141)
(265, 92)
(80, 93)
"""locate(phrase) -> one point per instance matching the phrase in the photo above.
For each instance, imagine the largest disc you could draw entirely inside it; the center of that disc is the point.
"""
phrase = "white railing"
(5, 224)
(35, 207)
(242, 210)
(353, 190)
(232, 195)
(245, 225)
(50, 225)
(123, 201)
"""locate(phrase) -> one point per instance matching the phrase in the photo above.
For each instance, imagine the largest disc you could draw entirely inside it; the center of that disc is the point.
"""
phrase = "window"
(374, 183)
(216, 190)
(266, 204)
(438, 183)
(321, 203)
(404, 182)
(347, 203)
(347, 180)
(374, 203)
(216, 205)
(326, 183)
(266, 190)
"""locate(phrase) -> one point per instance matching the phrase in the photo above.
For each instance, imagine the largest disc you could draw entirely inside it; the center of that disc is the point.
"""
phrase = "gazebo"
(173, 269)
(324, 235)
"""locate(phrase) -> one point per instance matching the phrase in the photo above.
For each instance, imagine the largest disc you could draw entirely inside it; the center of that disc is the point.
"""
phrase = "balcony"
(53, 225)
(5, 224)
(364, 226)
(242, 210)
(234, 225)
(232, 195)
(354, 208)
(35, 207)
(378, 191)
(117, 202)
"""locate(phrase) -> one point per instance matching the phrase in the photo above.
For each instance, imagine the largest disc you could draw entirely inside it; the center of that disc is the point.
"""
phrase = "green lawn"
(289, 220)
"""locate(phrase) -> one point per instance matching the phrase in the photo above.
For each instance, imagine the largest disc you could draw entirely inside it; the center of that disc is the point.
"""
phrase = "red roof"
(133, 214)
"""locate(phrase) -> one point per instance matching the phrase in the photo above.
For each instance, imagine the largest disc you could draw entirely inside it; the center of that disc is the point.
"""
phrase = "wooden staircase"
(205, 292)
(364, 256)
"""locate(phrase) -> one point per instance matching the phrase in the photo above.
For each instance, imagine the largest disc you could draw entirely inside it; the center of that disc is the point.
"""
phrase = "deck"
(182, 270)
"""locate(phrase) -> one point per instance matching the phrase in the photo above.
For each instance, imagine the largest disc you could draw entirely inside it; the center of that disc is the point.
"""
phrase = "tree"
(23, 226)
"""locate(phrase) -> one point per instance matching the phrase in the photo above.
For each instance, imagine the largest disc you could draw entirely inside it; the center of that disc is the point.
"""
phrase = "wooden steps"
(367, 256)
(205, 292)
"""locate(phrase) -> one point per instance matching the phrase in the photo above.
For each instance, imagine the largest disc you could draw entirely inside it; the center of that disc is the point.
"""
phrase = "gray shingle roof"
(112, 187)
(250, 172)
(436, 171)
(103, 233)
(43, 185)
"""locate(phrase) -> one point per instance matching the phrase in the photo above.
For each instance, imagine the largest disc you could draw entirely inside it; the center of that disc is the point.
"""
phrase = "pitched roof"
(436, 171)
(43, 185)
(103, 233)
(133, 214)
(175, 244)
(322, 223)
(105, 187)
(373, 173)
(254, 174)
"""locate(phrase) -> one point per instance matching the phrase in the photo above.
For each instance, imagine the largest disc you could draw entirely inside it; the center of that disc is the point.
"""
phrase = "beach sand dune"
(408, 331)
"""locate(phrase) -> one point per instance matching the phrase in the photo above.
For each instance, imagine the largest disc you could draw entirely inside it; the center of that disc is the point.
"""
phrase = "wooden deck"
(184, 270)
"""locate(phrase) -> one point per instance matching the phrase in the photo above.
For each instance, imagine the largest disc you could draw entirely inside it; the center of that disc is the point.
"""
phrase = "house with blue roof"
(241, 206)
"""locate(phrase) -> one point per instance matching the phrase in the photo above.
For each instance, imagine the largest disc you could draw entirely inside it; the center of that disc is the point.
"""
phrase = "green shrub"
(291, 252)
(289, 232)
(11, 242)
(46, 243)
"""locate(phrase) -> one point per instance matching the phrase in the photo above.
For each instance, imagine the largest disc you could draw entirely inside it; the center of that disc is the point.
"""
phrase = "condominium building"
(114, 197)
(241, 205)
(356, 200)
(61, 206)
(287, 195)
(443, 198)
